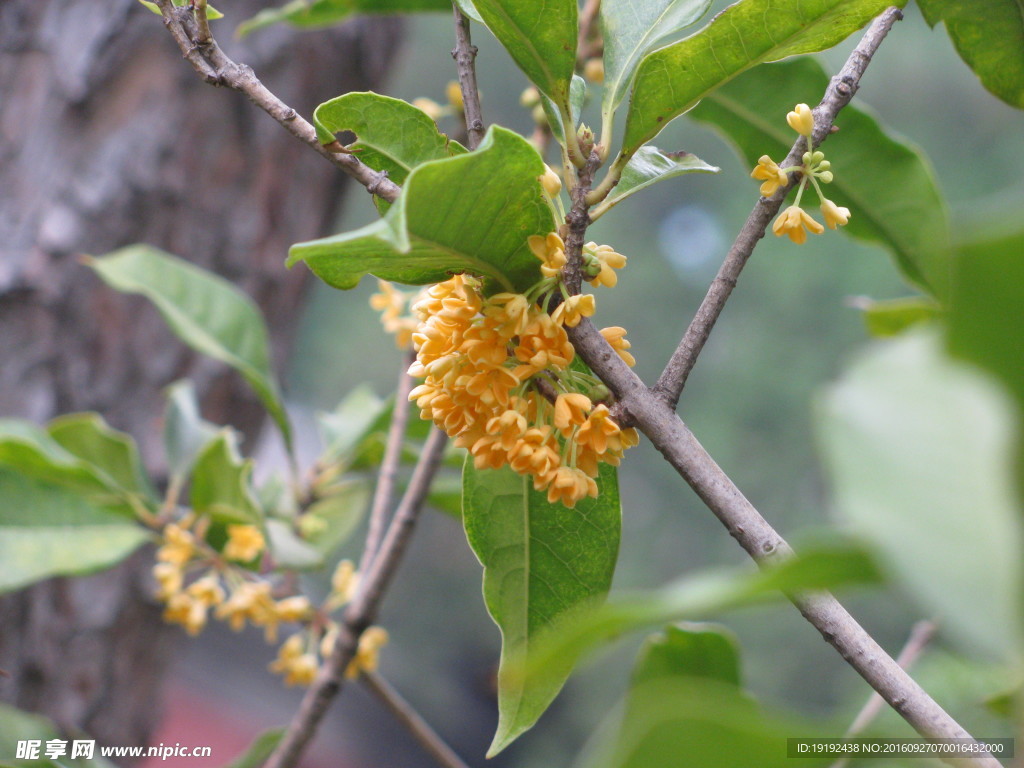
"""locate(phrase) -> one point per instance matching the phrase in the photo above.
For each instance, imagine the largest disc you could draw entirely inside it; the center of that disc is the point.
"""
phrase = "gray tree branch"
(407, 715)
(362, 611)
(191, 32)
(839, 93)
(464, 54)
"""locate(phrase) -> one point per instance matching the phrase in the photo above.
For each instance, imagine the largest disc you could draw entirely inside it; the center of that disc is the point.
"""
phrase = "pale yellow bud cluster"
(498, 378)
(392, 304)
(794, 221)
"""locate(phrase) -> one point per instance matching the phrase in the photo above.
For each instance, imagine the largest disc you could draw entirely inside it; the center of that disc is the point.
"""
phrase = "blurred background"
(787, 331)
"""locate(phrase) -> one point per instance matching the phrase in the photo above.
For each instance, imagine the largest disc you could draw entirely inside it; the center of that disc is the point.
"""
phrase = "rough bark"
(107, 138)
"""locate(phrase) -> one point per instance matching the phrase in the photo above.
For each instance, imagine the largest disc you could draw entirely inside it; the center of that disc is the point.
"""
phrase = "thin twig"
(839, 93)
(464, 54)
(362, 611)
(588, 16)
(412, 720)
(216, 68)
(920, 635)
(388, 474)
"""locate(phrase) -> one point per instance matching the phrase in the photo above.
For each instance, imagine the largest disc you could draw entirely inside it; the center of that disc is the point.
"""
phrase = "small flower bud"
(824, 165)
(591, 266)
(806, 158)
(801, 120)
(434, 110)
(540, 117)
(593, 71)
(826, 177)
(550, 181)
(818, 156)
(585, 137)
(453, 92)
(529, 98)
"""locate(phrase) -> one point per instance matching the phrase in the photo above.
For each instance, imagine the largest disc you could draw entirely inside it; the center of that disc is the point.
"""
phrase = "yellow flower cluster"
(184, 549)
(299, 657)
(392, 304)
(795, 221)
(498, 377)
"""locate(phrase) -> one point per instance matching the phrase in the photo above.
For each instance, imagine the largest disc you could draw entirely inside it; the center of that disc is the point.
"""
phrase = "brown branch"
(839, 93)
(216, 68)
(920, 635)
(362, 611)
(464, 54)
(412, 720)
(389, 466)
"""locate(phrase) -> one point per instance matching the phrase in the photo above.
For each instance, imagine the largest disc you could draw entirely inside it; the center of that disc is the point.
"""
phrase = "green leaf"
(671, 80)
(347, 426)
(577, 95)
(989, 37)
(542, 562)
(87, 436)
(32, 452)
(633, 28)
(313, 14)
(472, 213)
(541, 37)
(221, 484)
(823, 565)
(892, 317)
(985, 309)
(259, 750)
(649, 166)
(919, 448)
(46, 531)
(205, 311)
(689, 650)
(887, 184)
(331, 521)
(185, 431)
(391, 135)
(289, 550)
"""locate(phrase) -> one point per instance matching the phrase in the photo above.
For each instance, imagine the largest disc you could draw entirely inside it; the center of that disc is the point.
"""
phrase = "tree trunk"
(108, 138)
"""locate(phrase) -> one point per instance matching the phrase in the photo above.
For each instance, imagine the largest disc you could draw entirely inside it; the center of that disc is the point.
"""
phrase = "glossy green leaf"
(989, 36)
(671, 80)
(313, 14)
(185, 431)
(205, 311)
(472, 213)
(919, 448)
(541, 37)
(649, 166)
(819, 566)
(260, 749)
(887, 184)
(344, 428)
(712, 723)
(633, 28)
(46, 531)
(31, 451)
(985, 310)
(542, 563)
(90, 438)
(221, 482)
(391, 135)
(331, 521)
(894, 316)
(288, 548)
(689, 650)
(577, 95)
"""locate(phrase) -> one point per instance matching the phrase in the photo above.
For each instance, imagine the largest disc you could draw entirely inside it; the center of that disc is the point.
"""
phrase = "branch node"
(375, 186)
